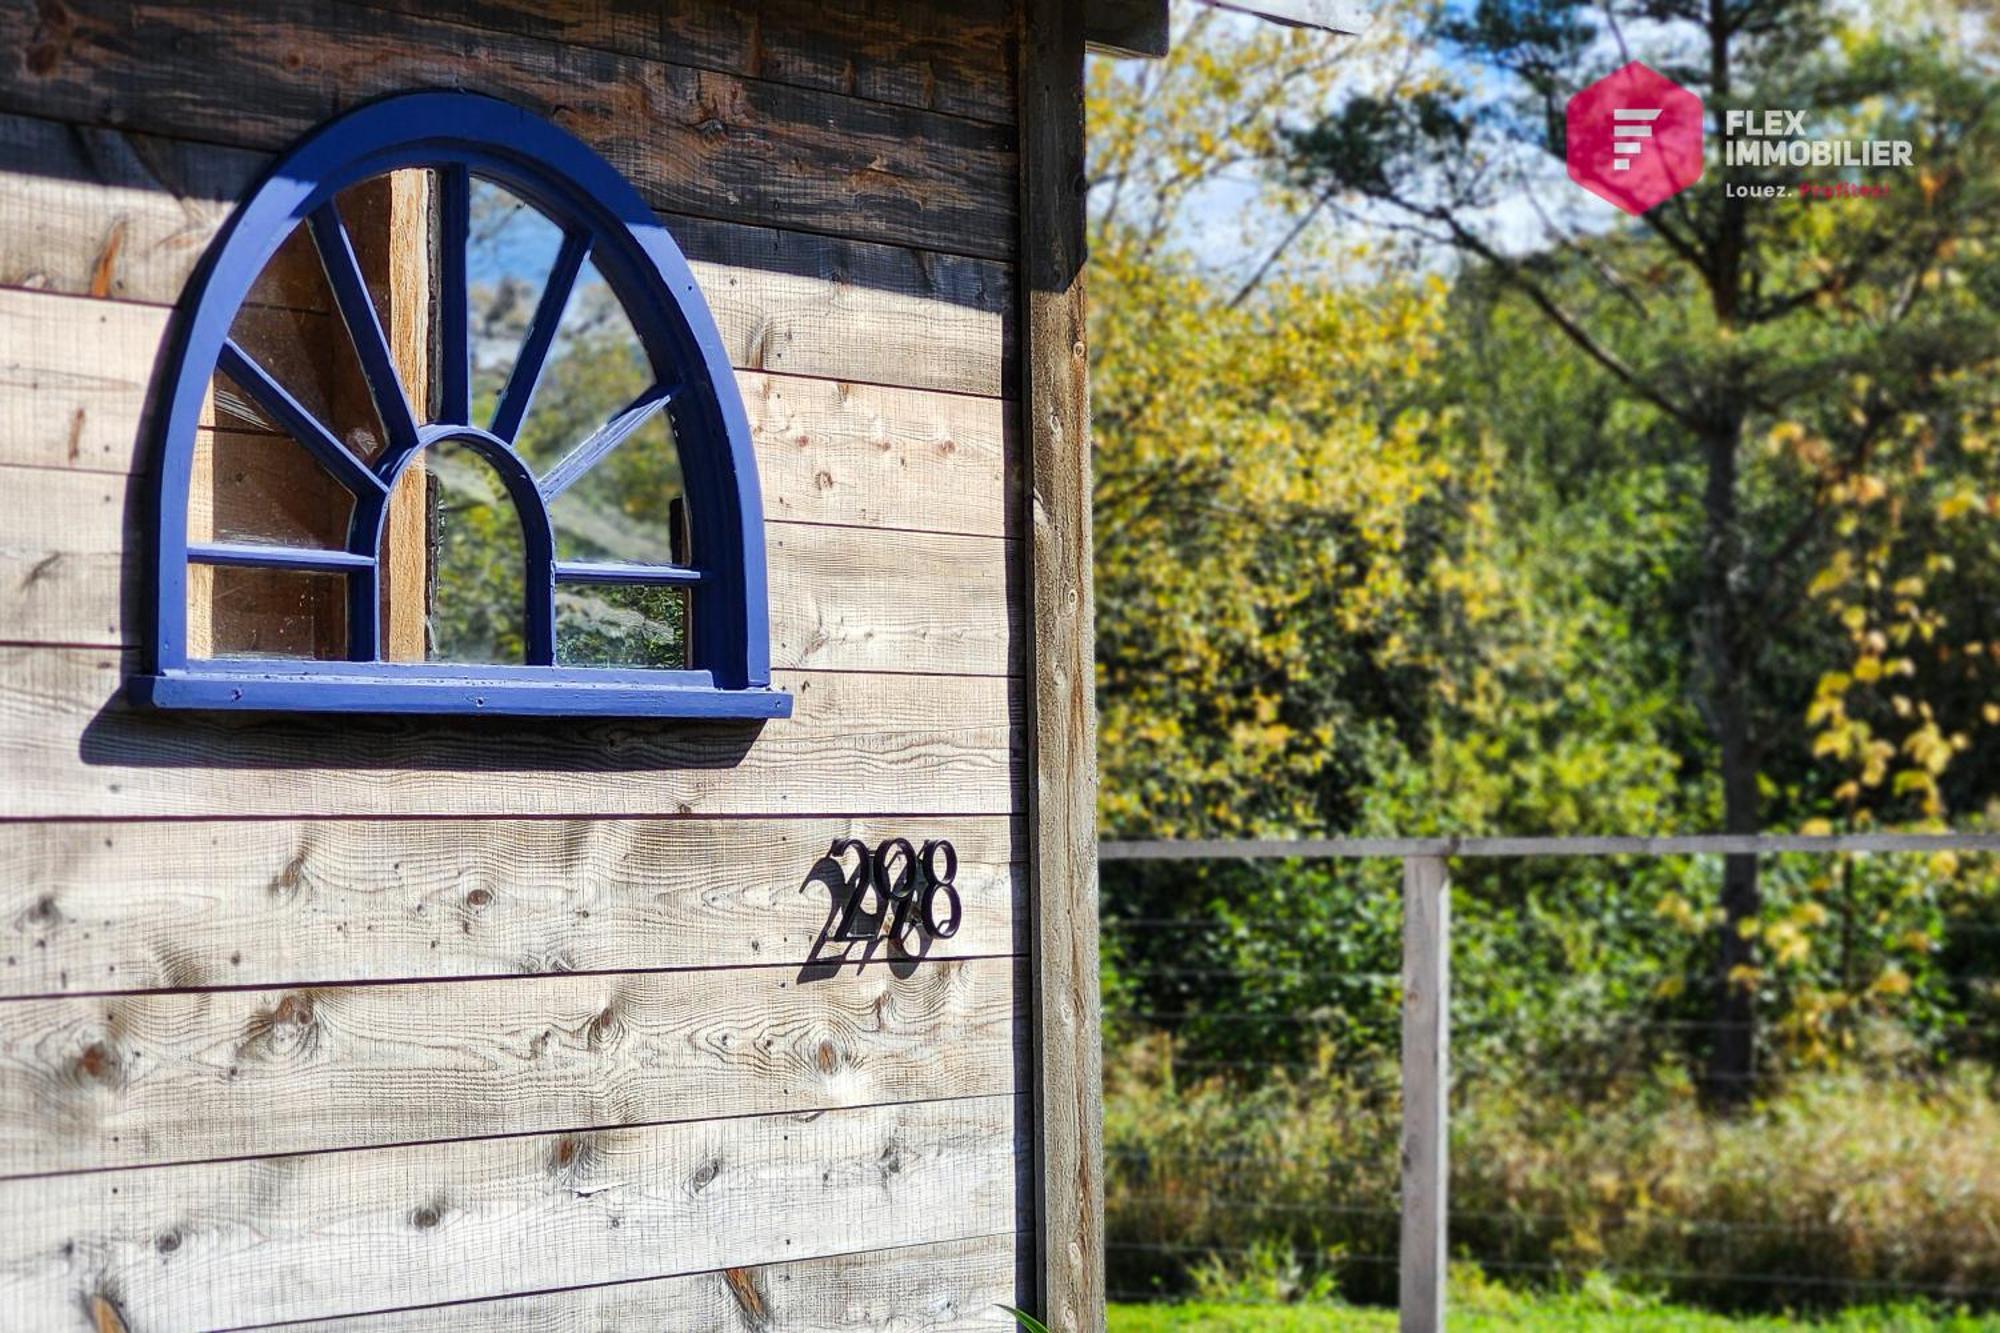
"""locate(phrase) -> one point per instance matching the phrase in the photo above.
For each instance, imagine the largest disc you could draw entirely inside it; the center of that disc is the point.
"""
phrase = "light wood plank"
(295, 1238)
(849, 599)
(842, 598)
(944, 57)
(74, 377)
(140, 1080)
(74, 380)
(832, 452)
(878, 744)
(1061, 703)
(401, 253)
(694, 141)
(956, 1285)
(178, 904)
(98, 211)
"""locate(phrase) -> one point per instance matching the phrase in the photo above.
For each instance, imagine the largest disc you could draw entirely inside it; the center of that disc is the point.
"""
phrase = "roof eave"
(1138, 28)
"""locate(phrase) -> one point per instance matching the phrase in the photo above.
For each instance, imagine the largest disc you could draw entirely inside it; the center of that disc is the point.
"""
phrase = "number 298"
(909, 889)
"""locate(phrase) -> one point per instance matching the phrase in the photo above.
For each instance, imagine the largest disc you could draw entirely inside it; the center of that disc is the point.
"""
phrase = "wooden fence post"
(1426, 1038)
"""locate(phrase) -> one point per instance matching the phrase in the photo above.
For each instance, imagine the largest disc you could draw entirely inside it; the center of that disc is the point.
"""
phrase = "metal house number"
(906, 885)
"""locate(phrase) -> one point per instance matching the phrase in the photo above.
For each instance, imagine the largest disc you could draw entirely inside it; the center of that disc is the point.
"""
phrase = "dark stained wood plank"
(1126, 29)
(1062, 752)
(953, 56)
(817, 305)
(856, 744)
(695, 141)
(100, 212)
(228, 1244)
(165, 1077)
(93, 211)
(183, 904)
(947, 1288)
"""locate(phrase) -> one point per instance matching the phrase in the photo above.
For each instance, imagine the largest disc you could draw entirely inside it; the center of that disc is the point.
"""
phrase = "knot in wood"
(891, 1161)
(98, 1062)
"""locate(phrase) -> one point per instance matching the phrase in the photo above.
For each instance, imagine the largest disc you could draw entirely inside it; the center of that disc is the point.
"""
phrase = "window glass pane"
(291, 327)
(478, 561)
(236, 612)
(508, 255)
(232, 408)
(623, 509)
(620, 508)
(621, 625)
(264, 489)
(596, 367)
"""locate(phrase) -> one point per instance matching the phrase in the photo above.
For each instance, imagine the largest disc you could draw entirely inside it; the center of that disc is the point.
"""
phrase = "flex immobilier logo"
(1635, 138)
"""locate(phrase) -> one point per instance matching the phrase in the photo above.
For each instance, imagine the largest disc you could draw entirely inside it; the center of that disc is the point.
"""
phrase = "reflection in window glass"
(508, 255)
(595, 367)
(478, 561)
(622, 508)
(621, 625)
(452, 560)
(268, 612)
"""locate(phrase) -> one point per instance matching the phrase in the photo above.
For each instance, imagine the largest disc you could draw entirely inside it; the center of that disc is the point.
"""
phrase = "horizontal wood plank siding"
(955, 59)
(386, 1023)
(75, 374)
(938, 1288)
(136, 1080)
(856, 744)
(888, 458)
(225, 1244)
(73, 571)
(180, 905)
(692, 140)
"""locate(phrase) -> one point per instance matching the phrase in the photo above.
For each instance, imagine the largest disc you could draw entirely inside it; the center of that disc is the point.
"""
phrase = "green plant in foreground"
(1028, 1321)
(1284, 1193)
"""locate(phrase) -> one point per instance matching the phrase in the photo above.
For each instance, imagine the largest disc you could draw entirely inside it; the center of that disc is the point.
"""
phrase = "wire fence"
(1271, 1070)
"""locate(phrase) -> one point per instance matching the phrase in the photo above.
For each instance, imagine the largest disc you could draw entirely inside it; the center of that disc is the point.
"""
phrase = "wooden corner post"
(1061, 686)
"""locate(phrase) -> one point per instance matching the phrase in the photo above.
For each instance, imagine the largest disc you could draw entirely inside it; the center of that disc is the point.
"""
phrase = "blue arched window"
(561, 518)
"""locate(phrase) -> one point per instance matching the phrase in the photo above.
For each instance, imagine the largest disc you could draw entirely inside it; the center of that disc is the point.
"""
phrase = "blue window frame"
(459, 138)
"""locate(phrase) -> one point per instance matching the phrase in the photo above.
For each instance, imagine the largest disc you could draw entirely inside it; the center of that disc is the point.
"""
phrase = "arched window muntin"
(459, 136)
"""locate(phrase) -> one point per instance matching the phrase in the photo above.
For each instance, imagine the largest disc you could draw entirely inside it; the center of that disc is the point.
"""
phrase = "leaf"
(1028, 1321)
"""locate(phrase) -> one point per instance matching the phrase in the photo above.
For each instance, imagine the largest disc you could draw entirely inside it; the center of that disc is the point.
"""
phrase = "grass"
(1835, 1187)
(1478, 1304)
(1580, 1314)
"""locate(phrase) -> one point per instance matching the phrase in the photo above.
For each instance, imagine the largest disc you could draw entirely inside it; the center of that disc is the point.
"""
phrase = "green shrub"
(1839, 1190)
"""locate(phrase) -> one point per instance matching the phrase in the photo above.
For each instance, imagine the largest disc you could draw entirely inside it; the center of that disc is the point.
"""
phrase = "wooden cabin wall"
(488, 1023)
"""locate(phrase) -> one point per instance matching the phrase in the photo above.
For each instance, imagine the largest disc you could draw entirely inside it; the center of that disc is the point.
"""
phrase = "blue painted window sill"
(294, 687)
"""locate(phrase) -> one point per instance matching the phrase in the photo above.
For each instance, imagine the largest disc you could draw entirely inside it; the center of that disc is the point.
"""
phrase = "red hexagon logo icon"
(1635, 138)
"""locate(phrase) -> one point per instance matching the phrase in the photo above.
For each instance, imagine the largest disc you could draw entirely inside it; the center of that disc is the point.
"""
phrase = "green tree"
(1264, 465)
(1792, 358)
